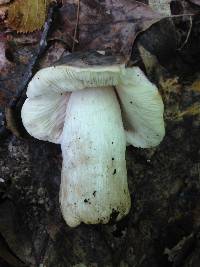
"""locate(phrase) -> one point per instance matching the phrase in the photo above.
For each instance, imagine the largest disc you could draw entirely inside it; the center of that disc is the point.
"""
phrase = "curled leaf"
(104, 25)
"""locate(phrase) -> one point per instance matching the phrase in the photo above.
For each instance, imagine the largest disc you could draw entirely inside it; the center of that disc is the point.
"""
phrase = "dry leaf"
(197, 2)
(2, 2)
(27, 15)
(104, 25)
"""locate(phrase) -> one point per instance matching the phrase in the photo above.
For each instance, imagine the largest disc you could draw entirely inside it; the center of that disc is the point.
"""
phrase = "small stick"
(76, 27)
(188, 35)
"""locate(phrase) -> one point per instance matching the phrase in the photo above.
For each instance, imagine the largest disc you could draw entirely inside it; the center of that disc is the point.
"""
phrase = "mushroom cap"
(75, 72)
(49, 90)
(43, 116)
(142, 109)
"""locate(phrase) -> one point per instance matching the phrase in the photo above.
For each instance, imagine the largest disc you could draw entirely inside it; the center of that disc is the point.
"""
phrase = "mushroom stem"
(94, 178)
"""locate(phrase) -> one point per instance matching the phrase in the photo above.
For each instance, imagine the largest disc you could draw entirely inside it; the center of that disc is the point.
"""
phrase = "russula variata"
(93, 106)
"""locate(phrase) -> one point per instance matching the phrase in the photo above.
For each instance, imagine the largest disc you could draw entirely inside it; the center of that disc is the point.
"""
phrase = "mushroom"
(84, 103)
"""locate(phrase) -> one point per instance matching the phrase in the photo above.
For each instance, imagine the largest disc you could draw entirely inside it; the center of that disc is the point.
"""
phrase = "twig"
(76, 27)
(188, 35)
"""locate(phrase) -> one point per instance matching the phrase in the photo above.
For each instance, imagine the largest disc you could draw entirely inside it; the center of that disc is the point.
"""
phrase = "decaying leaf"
(104, 25)
(197, 2)
(170, 89)
(27, 15)
(2, 2)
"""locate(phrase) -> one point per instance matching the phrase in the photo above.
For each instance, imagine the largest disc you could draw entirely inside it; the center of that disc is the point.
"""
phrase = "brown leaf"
(105, 25)
(27, 15)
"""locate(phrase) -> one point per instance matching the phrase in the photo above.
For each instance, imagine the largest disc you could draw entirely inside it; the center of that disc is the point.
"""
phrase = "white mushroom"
(94, 179)
(75, 104)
